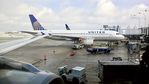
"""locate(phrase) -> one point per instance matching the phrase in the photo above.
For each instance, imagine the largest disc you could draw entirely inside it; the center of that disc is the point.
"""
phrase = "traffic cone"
(72, 53)
(45, 57)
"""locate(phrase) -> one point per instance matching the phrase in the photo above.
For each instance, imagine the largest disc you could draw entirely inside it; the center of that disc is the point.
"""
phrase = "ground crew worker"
(54, 51)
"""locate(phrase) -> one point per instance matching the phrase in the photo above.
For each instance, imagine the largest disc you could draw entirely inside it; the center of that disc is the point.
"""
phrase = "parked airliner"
(85, 37)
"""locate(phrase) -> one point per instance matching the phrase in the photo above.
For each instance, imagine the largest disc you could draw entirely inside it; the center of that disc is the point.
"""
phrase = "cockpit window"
(117, 33)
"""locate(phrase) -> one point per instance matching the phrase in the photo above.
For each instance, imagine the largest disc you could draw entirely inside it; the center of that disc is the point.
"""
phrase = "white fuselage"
(86, 34)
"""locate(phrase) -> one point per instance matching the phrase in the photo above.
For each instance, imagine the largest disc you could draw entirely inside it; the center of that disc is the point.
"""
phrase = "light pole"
(144, 14)
(138, 17)
(145, 17)
(139, 20)
(145, 20)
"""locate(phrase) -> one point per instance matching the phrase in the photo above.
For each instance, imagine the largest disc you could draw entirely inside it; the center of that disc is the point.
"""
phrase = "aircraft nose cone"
(123, 37)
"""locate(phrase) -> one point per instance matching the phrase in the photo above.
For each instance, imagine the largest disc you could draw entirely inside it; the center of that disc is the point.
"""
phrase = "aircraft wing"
(9, 46)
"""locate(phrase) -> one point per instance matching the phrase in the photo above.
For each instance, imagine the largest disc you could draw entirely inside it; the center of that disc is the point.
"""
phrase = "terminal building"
(114, 28)
(136, 33)
(145, 30)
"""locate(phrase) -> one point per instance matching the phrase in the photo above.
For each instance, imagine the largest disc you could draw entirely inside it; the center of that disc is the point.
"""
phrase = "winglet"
(36, 25)
(67, 27)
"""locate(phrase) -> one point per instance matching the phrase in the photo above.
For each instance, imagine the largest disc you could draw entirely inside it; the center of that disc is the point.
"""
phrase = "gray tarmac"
(57, 54)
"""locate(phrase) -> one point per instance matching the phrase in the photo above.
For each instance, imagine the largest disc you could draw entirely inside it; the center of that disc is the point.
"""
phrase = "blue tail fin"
(67, 27)
(36, 25)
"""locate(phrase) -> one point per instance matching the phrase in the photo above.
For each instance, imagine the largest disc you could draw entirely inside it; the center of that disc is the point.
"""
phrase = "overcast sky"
(78, 14)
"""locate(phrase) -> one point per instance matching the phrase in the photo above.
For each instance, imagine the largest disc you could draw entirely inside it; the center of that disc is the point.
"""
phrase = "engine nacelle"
(15, 72)
(87, 41)
(21, 77)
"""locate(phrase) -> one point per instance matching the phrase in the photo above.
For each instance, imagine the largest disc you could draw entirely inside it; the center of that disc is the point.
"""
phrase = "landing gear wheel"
(75, 81)
(64, 78)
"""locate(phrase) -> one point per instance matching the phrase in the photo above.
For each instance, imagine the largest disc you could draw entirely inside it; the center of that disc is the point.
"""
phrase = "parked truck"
(117, 72)
(75, 75)
(95, 50)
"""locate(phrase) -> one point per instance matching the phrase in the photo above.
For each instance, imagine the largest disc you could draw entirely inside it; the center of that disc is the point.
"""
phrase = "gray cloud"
(14, 15)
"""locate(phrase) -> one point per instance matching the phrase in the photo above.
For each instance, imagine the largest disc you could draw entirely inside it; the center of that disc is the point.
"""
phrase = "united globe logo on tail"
(36, 25)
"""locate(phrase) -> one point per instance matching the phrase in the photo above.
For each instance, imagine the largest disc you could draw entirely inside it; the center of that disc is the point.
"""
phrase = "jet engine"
(8, 76)
(14, 72)
(87, 41)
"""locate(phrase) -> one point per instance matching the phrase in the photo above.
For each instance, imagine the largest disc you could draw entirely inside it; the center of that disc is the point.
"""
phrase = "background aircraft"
(67, 27)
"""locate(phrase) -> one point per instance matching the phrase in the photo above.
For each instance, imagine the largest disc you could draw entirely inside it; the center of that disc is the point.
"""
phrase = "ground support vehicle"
(77, 46)
(75, 75)
(95, 50)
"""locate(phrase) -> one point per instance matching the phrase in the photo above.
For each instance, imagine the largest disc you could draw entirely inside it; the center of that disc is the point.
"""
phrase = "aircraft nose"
(122, 37)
